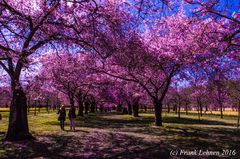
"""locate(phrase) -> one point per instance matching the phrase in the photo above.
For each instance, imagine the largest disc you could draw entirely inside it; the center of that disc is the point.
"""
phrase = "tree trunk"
(186, 108)
(35, 107)
(220, 98)
(47, 106)
(136, 109)
(96, 107)
(175, 108)
(86, 107)
(238, 114)
(92, 107)
(80, 108)
(119, 107)
(101, 108)
(201, 108)
(39, 106)
(71, 101)
(179, 109)
(206, 109)
(145, 108)
(221, 110)
(198, 112)
(125, 110)
(168, 107)
(158, 112)
(129, 108)
(18, 122)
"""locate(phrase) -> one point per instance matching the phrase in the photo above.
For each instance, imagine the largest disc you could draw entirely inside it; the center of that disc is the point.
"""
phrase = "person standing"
(72, 118)
(62, 116)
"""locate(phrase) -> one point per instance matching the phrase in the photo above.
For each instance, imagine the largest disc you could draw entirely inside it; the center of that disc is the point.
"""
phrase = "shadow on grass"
(192, 121)
(102, 121)
(77, 131)
(117, 123)
(106, 121)
(95, 145)
(143, 124)
(208, 114)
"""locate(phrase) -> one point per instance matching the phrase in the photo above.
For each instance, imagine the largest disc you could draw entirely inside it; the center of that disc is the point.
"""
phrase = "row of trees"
(109, 50)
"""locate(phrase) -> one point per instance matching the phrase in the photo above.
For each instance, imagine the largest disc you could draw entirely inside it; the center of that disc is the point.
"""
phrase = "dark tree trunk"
(96, 107)
(39, 106)
(175, 108)
(168, 107)
(158, 112)
(71, 101)
(86, 107)
(101, 108)
(186, 108)
(136, 109)
(220, 98)
(129, 108)
(47, 106)
(221, 110)
(179, 109)
(92, 107)
(119, 107)
(238, 114)
(145, 108)
(206, 109)
(201, 108)
(35, 107)
(80, 108)
(54, 106)
(198, 110)
(125, 111)
(18, 122)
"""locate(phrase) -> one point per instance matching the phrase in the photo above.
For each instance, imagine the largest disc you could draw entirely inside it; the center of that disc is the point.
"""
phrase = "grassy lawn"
(113, 135)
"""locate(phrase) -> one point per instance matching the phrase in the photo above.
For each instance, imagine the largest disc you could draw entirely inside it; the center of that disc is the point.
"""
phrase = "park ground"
(113, 135)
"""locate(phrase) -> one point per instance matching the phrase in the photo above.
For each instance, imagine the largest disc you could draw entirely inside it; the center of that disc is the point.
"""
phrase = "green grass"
(114, 135)
(37, 124)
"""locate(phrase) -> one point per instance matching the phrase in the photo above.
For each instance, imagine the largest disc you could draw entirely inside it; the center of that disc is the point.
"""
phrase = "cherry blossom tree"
(154, 59)
(233, 93)
(70, 75)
